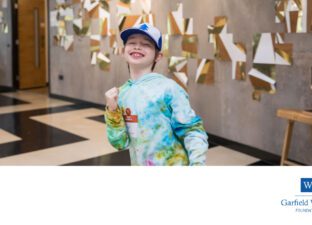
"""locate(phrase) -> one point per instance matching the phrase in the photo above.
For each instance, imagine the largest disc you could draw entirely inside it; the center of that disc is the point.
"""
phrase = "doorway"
(30, 39)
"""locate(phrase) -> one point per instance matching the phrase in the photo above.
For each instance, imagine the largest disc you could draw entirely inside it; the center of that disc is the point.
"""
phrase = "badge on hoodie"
(131, 122)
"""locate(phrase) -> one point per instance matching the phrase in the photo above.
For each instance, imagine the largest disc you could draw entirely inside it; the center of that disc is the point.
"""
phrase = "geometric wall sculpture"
(103, 61)
(3, 24)
(149, 18)
(95, 42)
(269, 49)
(239, 62)
(225, 49)
(146, 6)
(68, 42)
(81, 26)
(189, 45)
(178, 68)
(205, 71)
(89, 14)
(128, 21)
(214, 32)
(295, 14)
(104, 17)
(113, 44)
(59, 18)
(262, 78)
(123, 8)
(176, 22)
(98, 10)
(177, 25)
(165, 45)
(4, 28)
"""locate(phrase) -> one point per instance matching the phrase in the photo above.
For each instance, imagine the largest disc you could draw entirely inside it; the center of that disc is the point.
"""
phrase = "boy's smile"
(137, 54)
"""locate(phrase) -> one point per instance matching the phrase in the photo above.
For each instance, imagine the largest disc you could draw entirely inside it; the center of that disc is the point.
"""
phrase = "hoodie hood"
(145, 78)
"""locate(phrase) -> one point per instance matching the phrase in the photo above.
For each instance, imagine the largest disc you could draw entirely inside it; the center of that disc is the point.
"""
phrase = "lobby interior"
(241, 62)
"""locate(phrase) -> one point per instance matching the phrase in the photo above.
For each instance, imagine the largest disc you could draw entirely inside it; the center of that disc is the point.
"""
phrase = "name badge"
(131, 123)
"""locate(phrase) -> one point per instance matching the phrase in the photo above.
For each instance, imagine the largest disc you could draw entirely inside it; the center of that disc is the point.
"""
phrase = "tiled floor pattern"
(38, 130)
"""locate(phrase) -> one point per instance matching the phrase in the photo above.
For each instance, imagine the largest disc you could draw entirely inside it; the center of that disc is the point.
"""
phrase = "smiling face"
(140, 52)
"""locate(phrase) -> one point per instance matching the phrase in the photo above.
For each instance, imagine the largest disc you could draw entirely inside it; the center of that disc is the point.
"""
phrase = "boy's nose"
(137, 46)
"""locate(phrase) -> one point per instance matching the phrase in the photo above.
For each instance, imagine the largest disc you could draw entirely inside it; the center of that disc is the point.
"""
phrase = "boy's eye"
(147, 44)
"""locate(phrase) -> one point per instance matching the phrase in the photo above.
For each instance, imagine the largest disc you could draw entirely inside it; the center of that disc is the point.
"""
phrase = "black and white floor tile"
(36, 129)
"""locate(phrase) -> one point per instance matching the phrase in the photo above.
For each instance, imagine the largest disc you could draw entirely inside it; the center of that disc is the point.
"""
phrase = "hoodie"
(156, 123)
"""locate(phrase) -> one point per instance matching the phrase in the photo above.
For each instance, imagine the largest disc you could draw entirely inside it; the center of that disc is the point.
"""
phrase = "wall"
(226, 107)
(6, 51)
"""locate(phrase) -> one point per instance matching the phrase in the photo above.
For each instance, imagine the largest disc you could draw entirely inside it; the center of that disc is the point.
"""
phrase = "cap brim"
(126, 33)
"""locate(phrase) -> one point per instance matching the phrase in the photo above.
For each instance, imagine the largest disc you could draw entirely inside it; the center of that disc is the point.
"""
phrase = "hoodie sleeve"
(116, 129)
(187, 126)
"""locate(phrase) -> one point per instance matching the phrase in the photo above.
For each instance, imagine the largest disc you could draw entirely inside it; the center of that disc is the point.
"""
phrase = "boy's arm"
(116, 129)
(188, 127)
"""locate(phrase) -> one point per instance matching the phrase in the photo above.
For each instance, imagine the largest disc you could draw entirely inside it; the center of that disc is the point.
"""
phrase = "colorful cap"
(146, 29)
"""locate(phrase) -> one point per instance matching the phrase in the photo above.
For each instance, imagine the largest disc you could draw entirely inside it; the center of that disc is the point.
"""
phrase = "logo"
(144, 27)
(306, 184)
(300, 202)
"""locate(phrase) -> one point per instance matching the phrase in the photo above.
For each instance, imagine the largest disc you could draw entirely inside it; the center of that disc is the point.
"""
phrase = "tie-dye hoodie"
(156, 122)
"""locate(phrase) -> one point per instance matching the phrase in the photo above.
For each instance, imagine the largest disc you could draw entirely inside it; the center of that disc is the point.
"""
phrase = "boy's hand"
(112, 98)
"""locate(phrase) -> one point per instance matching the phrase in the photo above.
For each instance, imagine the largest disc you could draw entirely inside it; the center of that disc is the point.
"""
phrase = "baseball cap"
(146, 29)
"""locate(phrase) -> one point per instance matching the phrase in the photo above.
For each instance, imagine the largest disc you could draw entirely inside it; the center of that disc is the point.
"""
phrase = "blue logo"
(306, 184)
(144, 27)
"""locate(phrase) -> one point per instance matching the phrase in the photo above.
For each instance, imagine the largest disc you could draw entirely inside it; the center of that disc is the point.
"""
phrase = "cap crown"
(146, 29)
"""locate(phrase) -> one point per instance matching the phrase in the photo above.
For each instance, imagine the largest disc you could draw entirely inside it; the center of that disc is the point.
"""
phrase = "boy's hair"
(156, 54)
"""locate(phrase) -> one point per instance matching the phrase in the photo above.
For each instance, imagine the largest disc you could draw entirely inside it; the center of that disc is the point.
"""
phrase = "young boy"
(151, 114)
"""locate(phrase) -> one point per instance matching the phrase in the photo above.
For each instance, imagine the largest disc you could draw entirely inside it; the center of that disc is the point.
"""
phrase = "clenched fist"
(112, 98)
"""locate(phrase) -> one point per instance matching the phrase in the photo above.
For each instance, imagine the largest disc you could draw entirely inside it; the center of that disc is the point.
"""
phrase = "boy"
(151, 114)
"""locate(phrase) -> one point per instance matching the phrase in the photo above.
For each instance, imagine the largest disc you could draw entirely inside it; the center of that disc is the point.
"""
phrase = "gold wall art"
(177, 25)
(3, 24)
(146, 6)
(92, 19)
(113, 44)
(263, 79)
(103, 61)
(296, 15)
(226, 50)
(123, 8)
(269, 49)
(190, 46)
(132, 20)
(178, 68)
(205, 72)
(165, 44)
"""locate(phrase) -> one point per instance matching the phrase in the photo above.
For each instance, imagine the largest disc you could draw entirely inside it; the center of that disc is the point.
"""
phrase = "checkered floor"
(38, 130)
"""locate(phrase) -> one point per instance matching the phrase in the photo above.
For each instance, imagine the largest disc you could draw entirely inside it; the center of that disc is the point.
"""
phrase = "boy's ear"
(159, 56)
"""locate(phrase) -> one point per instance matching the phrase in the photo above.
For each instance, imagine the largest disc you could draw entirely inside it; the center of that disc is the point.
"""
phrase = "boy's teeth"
(137, 54)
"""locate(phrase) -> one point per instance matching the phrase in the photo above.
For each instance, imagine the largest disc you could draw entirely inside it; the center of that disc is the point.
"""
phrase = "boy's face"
(140, 51)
